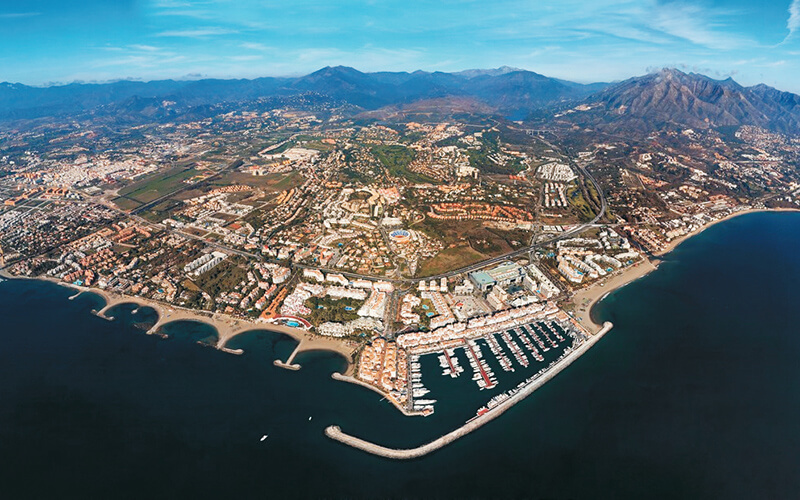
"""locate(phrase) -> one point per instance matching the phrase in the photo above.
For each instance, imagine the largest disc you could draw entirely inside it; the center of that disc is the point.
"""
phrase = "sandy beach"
(677, 241)
(226, 326)
(583, 300)
(580, 304)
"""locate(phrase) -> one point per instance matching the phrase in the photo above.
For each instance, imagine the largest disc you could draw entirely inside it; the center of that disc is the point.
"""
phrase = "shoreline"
(227, 327)
(677, 241)
(583, 300)
(335, 432)
(352, 380)
(579, 306)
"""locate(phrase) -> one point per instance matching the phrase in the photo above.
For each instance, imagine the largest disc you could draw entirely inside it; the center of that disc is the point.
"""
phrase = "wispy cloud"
(255, 46)
(138, 61)
(251, 57)
(146, 48)
(18, 15)
(197, 32)
(793, 24)
(192, 13)
(700, 26)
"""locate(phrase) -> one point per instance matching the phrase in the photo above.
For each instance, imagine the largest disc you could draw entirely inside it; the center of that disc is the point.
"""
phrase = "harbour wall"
(334, 432)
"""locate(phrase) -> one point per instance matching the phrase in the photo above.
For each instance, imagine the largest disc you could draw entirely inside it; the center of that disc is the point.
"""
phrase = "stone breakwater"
(334, 432)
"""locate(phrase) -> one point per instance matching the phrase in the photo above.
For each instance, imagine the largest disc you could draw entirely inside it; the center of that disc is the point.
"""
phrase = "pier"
(226, 326)
(336, 433)
(288, 364)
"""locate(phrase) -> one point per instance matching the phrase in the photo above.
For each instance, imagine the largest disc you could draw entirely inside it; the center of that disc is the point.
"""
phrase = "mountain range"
(671, 98)
(668, 98)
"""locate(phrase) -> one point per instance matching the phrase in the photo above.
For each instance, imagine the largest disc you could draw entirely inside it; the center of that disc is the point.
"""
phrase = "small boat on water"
(309, 419)
(265, 436)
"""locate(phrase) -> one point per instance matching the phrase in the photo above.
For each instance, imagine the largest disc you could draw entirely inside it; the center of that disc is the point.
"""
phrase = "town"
(401, 239)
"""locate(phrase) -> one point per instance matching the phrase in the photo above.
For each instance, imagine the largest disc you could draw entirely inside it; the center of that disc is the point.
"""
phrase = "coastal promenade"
(336, 433)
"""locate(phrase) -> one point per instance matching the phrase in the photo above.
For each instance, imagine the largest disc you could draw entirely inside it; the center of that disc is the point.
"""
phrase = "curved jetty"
(334, 432)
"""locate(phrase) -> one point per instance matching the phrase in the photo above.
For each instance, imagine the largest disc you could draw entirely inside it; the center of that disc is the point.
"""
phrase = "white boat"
(424, 402)
(265, 436)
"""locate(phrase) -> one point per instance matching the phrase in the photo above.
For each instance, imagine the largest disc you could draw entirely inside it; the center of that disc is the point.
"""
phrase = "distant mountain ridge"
(668, 98)
(673, 98)
(508, 90)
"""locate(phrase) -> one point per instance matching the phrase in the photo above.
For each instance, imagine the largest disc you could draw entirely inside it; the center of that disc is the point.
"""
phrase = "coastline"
(579, 305)
(677, 241)
(352, 380)
(226, 326)
(583, 300)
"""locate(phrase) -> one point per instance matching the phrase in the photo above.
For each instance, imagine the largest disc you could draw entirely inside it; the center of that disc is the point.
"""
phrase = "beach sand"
(583, 300)
(226, 326)
(580, 305)
(677, 241)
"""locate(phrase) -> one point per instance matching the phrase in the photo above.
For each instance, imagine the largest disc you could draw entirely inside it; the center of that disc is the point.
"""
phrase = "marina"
(531, 348)
(520, 340)
(449, 362)
(418, 390)
(496, 406)
(515, 350)
(494, 346)
(482, 374)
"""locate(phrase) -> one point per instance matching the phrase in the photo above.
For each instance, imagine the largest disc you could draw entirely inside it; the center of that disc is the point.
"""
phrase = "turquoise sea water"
(694, 393)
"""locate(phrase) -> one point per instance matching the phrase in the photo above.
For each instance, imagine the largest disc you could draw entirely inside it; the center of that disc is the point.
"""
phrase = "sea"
(695, 393)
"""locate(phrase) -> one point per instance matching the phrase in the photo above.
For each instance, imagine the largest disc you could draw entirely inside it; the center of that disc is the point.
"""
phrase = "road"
(399, 281)
(500, 258)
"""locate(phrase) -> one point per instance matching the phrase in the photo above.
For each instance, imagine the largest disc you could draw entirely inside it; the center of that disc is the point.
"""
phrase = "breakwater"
(336, 433)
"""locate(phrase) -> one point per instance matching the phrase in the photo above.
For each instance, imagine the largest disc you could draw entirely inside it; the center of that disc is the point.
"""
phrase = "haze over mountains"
(669, 98)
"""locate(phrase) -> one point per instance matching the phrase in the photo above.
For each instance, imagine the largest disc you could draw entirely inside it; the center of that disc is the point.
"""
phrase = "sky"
(45, 42)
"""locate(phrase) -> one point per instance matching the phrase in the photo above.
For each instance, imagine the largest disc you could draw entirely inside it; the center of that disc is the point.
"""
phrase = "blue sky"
(44, 41)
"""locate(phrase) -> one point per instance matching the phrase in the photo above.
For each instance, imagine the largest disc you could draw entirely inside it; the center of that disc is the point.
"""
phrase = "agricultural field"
(449, 259)
(158, 185)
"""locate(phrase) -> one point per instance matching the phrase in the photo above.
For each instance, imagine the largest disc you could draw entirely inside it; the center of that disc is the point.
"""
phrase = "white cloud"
(793, 24)
(18, 15)
(192, 13)
(254, 46)
(197, 32)
(146, 48)
(694, 24)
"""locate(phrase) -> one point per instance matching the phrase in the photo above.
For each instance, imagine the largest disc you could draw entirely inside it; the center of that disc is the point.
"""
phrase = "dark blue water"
(694, 393)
